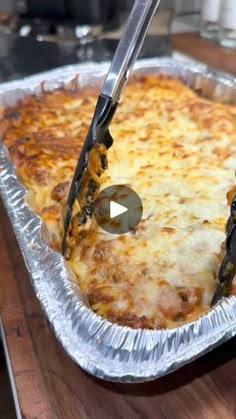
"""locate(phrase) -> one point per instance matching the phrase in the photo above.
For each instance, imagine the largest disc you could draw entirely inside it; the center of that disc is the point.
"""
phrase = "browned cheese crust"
(177, 151)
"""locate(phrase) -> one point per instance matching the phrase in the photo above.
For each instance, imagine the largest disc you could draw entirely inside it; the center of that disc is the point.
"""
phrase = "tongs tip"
(100, 138)
(228, 266)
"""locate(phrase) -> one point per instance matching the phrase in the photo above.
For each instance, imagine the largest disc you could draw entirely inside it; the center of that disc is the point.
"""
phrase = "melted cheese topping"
(177, 151)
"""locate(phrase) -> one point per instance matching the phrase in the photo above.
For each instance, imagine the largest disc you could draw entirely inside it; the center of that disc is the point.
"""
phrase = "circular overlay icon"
(118, 209)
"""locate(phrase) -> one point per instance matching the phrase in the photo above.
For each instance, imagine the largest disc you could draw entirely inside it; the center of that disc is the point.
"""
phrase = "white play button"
(116, 209)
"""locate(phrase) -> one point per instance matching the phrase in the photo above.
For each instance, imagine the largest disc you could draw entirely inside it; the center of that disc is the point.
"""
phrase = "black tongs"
(118, 74)
(228, 266)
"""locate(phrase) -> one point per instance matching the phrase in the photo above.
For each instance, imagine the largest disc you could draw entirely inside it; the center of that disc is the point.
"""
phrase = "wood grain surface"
(50, 386)
(7, 410)
(207, 52)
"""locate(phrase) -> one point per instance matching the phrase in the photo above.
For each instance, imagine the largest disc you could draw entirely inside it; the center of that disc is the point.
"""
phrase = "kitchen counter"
(207, 52)
(47, 384)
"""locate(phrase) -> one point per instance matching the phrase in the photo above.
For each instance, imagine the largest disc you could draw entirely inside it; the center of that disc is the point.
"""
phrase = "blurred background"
(42, 34)
(60, 17)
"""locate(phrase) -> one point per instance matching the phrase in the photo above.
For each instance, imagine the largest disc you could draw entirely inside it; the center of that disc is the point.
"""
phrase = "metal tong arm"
(122, 63)
(129, 46)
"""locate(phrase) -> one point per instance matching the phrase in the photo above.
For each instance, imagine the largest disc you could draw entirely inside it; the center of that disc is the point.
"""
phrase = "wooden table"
(207, 52)
(50, 386)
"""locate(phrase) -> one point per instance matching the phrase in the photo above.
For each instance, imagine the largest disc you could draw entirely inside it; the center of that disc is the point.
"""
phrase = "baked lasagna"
(177, 151)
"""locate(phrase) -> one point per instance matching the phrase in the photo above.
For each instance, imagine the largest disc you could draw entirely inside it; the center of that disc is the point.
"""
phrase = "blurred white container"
(227, 34)
(210, 12)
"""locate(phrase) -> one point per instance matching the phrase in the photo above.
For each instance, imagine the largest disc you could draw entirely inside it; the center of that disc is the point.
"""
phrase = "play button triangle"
(116, 209)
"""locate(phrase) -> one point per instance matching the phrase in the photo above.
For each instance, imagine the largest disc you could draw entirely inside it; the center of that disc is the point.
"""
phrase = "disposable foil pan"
(104, 349)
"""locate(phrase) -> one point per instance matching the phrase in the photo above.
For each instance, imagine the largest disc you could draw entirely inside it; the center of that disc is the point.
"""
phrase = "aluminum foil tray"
(103, 349)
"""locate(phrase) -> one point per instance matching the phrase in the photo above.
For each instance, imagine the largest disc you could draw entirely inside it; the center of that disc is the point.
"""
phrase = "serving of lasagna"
(177, 151)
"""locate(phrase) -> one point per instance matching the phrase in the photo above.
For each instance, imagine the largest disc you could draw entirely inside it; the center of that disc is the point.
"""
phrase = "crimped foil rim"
(106, 350)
